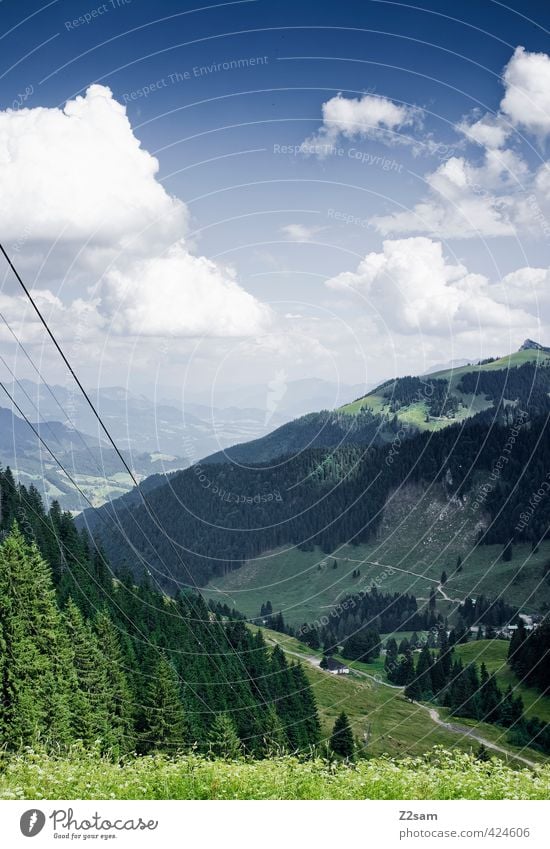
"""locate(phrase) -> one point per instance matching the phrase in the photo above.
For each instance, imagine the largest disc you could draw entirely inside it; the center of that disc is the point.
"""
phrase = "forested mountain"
(211, 518)
(327, 429)
(120, 666)
(436, 400)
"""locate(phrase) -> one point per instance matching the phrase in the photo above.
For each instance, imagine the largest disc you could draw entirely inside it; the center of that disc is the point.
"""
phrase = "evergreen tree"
(341, 740)
(390, 663)
(163, 720)
(118, 694)
(224, 740)
(91, 715)
(423, 673)
(274, 737)
(35, 689)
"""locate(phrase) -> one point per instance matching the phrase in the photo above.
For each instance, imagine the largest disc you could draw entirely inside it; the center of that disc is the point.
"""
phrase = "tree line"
(115, 664)
(468, 690)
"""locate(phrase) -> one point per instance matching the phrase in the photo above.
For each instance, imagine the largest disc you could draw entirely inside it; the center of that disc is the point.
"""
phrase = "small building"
(335, 667)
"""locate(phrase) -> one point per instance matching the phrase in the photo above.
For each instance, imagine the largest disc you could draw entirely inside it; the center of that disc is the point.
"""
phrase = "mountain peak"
(529, 345)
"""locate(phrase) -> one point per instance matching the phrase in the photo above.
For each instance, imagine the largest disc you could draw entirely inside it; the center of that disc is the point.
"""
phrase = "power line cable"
(113, 443)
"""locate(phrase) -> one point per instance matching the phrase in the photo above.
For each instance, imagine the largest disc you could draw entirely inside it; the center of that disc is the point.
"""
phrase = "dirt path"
(439, 587)
(447, 598)
(393, 568)
(470, 732)
(463, 730)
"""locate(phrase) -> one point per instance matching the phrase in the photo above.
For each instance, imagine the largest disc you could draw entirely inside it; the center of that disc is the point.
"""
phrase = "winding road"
(434, 715)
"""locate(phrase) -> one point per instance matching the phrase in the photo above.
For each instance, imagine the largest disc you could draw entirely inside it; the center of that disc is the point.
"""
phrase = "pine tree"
(91, 714)
(390, 663)
(224, 740)
(163, 724)
(119, 698)
(507, 554)
(34, 686)
(482, 754)
(341, 740)
(274, 737)
(423, 675)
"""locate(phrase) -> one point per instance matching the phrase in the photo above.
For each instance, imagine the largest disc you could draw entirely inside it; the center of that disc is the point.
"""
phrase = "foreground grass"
(439, 774)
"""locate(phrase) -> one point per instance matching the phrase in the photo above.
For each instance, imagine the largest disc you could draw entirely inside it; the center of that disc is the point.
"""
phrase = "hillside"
(209, 520)
(493, 654)
(421, 534)
(383, 720)
(327, 429)
(435, 400)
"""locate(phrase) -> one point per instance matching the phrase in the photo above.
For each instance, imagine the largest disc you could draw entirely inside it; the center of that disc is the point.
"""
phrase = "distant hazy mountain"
(156, 437)
(281, 400)
(92, 463)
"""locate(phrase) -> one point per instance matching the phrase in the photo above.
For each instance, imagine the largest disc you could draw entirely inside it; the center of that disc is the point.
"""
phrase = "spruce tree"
(423, 673)
(35, 688)
(274, 736)
(163, 726)
(91, 715)
(341, 740)
(119, 698)
(224, 740)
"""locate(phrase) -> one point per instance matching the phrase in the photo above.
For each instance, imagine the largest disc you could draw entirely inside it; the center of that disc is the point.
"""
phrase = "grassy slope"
(393, 725)
(439, 775)
(420, 533)
(493, 654)
(471, 404)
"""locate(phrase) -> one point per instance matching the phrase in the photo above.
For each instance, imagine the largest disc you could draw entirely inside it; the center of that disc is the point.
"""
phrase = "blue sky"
(344, 190)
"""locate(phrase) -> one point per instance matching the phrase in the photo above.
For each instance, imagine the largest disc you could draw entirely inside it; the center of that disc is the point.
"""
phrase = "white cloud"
(526, 288)
(499, 196)
(489, 131)
(368, 116)
(79, 172)
(79, 176)
(527, 91)
(413, 288)
(180, 295)
(299, 232)
(463, 200)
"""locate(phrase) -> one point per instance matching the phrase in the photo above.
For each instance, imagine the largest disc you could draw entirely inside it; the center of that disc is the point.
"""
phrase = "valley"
(388, 723)
(420, 536)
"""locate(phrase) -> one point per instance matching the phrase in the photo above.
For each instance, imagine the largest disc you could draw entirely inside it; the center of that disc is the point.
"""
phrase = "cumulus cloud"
(463, 200)
(527, 91)
(528, 289)
(498, 196)
(413, 288)
(370, 116)
(79, 172)
(180, 295)
(79, 176)
(489, 131)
